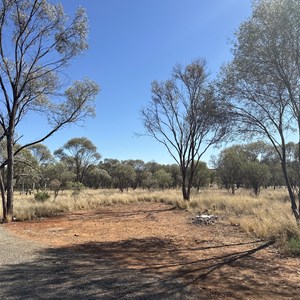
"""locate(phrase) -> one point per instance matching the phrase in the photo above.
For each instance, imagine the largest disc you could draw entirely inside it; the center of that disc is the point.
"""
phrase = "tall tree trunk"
(298, 221)
(10, 176)
(185, 191)
(232, 189)
(184, 187)
(291, 193)
(3, 197)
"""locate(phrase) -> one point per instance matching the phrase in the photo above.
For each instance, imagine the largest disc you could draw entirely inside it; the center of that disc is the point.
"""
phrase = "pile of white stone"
(204, 219)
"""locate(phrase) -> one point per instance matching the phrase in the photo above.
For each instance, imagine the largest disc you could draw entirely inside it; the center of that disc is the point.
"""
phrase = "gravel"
(32, 271)
(14, 250)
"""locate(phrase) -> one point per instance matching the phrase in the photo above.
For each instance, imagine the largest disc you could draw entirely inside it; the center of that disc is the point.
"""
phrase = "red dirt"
(218, 259)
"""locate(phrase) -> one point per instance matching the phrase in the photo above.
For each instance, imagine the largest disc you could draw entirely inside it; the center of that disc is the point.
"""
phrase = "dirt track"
(145, 251)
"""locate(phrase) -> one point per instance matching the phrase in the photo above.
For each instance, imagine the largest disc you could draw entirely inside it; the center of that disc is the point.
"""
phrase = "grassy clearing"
(267, 216)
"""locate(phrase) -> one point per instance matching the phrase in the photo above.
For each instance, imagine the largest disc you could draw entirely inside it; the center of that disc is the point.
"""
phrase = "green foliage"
(41, 196)
(75, 186)
(230, 166)
(256, 174)
(163, 178)
(79, 154)
(186, 117)
(149, 181)
(57, 171)
(201, 176)
(55, 186)
(124, 176)
(293, 246)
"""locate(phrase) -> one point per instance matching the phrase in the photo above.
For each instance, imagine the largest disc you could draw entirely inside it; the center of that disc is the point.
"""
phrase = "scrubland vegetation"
(255, 97)
(265, 217)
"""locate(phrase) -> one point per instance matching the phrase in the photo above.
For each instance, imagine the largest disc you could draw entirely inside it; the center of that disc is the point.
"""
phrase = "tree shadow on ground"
(149, 268)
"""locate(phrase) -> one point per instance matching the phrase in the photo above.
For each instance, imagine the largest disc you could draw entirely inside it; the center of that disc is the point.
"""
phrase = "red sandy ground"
(156, 238)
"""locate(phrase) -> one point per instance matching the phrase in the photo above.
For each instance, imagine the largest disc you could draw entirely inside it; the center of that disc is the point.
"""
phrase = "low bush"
(41, 196)
(293, 246)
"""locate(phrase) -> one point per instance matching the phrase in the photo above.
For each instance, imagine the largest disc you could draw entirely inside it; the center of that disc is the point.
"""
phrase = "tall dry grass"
(267, 216)
(27, 208)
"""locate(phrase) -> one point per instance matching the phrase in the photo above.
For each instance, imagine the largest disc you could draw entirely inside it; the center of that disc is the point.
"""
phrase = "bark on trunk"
(232, 189)
(3, 197)
(10, 177)
(185, 191)
(291, 195)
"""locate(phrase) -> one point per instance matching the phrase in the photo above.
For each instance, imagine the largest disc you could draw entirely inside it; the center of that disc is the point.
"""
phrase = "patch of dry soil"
(215, 261)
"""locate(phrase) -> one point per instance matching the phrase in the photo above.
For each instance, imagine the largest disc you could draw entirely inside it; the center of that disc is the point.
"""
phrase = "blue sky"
(132, 43)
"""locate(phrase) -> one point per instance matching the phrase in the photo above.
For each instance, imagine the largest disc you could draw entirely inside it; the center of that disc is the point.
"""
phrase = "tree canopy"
(261, 83)
(186, 117)
(37, 42)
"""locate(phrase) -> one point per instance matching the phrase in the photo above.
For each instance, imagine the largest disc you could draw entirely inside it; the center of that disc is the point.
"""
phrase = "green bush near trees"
(41, 196)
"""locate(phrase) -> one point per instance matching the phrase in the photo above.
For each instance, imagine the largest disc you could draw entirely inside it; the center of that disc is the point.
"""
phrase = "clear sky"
(132, 43)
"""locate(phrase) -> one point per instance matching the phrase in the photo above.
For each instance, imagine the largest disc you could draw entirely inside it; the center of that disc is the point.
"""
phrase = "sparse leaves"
(186, 117)
(37, 42)
(262, 82)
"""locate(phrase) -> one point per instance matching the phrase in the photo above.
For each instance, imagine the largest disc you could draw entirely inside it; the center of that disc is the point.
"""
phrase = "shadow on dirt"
(149, 268)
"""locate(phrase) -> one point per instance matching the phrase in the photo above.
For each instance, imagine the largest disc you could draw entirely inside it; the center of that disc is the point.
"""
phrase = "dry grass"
(27, 208)
(267, 216)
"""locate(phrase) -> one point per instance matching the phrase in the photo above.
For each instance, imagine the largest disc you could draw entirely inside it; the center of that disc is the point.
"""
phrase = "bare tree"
(186, 118)
(262, 81)
(37, 41)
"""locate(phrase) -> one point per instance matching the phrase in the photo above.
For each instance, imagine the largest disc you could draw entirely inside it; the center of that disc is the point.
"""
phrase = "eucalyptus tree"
(149, 180)
(174, 170)
(262, 83)
(230, 166)
(123, 176)
(185, 116)
(97, 178)
(44, 157)
(163, 178)
(26, 170)
(256, 175)
(56, 171)
(41, 153)
(80, 154)
(37, 42)
(139, 167)
(202, 176)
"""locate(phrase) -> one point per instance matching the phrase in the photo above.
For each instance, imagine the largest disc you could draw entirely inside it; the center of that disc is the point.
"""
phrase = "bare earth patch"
(188, 261)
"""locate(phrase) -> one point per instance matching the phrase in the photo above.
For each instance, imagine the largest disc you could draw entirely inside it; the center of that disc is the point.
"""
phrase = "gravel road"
(14, 250)
(32, 271)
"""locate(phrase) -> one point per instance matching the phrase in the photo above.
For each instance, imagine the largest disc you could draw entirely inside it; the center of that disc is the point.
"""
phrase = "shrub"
(293, 245)
(76, 188)
(55, 185)
(41, 196)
